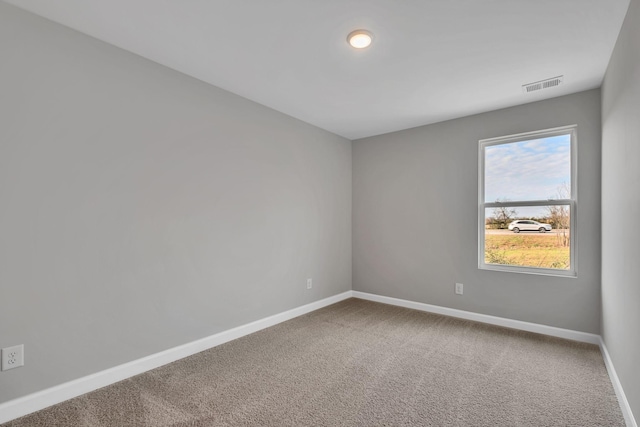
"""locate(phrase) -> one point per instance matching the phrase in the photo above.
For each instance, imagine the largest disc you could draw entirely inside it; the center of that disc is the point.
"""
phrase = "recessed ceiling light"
(360, 38)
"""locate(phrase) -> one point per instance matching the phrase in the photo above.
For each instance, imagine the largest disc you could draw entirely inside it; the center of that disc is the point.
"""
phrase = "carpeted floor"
(359, 363)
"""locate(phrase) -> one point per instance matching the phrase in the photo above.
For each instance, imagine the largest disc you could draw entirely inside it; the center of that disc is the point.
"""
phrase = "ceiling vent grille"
(543, 84)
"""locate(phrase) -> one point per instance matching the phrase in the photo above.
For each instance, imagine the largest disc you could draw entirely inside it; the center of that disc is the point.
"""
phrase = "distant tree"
(560, 215)
(503, 215)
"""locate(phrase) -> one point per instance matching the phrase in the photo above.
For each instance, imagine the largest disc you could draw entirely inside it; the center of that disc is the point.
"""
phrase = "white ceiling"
(431, 60)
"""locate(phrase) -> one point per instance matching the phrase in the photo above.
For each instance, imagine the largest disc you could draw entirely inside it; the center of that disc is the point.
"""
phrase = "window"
(527, 202)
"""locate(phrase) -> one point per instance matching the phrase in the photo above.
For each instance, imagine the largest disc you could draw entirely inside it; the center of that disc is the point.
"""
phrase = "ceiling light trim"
(360, 39)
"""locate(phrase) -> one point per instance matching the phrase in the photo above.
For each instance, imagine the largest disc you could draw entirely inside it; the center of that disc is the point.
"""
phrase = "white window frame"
(571, 202)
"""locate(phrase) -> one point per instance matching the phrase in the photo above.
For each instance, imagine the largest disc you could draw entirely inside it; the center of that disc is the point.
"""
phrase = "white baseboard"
(617, 386)
(485, 318)
(34, 402)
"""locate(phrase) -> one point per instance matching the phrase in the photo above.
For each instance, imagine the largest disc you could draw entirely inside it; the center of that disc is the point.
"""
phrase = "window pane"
(537, 169)
(528, 236)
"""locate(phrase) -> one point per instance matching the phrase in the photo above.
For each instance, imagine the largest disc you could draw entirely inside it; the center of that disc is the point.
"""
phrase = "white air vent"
(543, 84)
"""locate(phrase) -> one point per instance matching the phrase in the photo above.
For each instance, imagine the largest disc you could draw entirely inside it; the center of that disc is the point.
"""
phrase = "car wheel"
(542, 230)
(516, 230)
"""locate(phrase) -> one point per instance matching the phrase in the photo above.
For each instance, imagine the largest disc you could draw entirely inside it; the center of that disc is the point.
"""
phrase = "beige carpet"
(359, 363)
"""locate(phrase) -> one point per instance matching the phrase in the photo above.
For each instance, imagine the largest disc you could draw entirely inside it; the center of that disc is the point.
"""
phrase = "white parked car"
(528, 225)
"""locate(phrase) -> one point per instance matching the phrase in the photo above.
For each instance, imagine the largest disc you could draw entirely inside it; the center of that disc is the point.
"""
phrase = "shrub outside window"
(527, 202)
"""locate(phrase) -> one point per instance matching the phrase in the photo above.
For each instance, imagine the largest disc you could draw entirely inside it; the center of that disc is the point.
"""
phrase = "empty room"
(319, 213)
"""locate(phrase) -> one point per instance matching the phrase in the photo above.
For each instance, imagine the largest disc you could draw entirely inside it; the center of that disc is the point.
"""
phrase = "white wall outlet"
(309, 283)
(459, 288)
(12, 357)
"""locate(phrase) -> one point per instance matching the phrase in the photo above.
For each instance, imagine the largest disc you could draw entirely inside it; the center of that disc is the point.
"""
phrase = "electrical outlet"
(309, 283)
(12, 357)
(459, 288)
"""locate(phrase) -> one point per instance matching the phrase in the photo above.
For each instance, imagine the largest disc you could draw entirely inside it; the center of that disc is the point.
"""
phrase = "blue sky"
(527, 170)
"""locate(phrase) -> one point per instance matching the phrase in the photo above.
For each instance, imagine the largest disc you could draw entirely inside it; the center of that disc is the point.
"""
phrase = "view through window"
(527, 202)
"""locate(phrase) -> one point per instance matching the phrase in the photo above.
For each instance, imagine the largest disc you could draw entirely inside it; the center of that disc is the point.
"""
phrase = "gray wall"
(415, 209)
(621, 206)
(143, 209)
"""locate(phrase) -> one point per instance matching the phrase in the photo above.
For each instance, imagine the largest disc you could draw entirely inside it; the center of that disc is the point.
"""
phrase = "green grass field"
(528, 250)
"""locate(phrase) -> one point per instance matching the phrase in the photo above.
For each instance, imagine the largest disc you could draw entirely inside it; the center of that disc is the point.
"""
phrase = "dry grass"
(528, 250)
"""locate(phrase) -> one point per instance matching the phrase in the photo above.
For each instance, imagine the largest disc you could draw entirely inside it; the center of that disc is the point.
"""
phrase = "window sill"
(571, 274)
